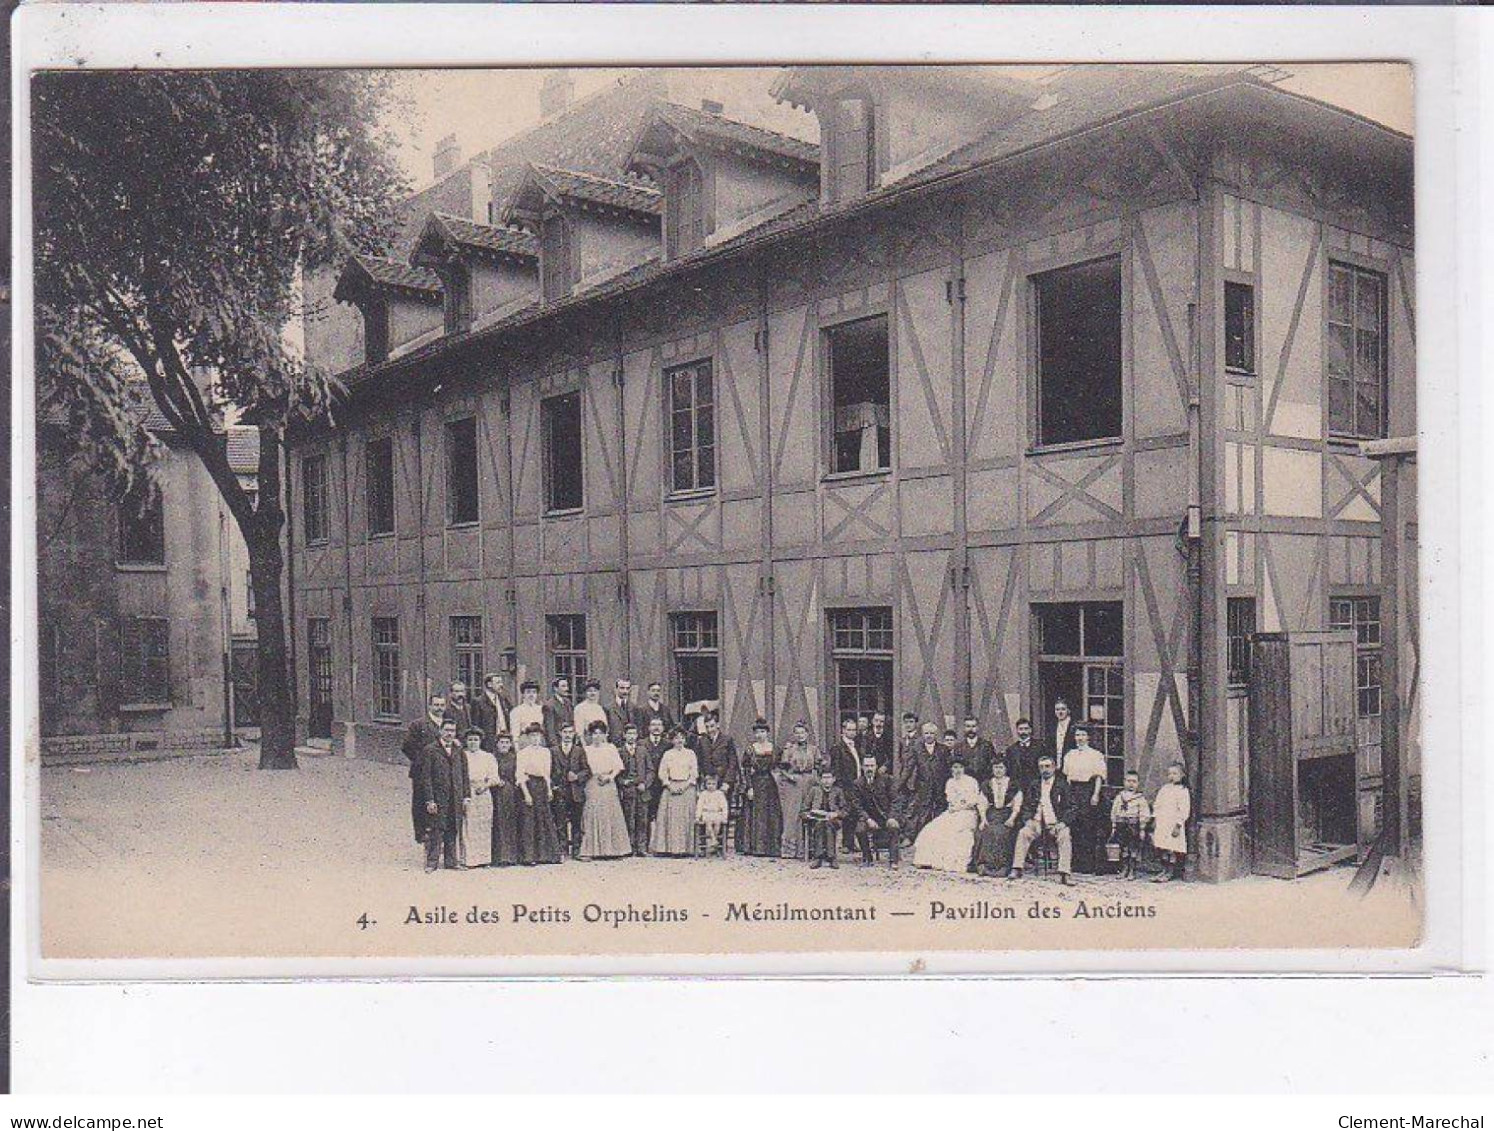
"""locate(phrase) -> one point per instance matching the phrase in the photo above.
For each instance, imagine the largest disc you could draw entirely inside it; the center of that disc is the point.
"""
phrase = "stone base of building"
(69, 749)
(375, 742)
(1223, 849)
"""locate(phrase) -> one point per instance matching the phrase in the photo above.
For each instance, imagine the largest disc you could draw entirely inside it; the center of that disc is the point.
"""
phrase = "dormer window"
(456, 286)
(685, 196)
(555, 257)
(376, 331)
(853, 148)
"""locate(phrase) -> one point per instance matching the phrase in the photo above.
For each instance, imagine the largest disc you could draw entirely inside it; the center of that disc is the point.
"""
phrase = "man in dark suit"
(568, 774)
(443, 787)
(490, 710)
(906, 743)
(458, 710)
(1048, 809)
(654, 746)
(977, 751)
(878, 742)
(559, 710)
(635, 786)
(1061, 741)
(422, 733)
(845, 764)
(654, 707)
(718, 757)
(622, 712)
(915, 789)
(1021, 756)
(871, 808)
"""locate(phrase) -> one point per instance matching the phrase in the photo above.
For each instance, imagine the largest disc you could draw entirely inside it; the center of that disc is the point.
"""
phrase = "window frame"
(136, 663)
(686, 215)
(370, 495)
(1237, 644)
(830, 436)
(1035, 274)
(1368, 654)
(1357, 268)
(321, 506)
(706, 645)
(882, 651)
(547, 470)
(671, 409)
(129, 520)
(449, 448)
(471, 649)
(385, 710)
(557, 277)
(1249, 365)
(555, 652)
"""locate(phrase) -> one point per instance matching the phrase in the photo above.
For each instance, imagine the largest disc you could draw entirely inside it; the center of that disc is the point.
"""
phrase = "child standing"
(1170, 816)
(711, 812)
(1129, 813)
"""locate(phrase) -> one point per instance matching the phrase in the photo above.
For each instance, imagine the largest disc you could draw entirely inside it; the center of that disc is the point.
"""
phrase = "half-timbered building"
(1000, 391)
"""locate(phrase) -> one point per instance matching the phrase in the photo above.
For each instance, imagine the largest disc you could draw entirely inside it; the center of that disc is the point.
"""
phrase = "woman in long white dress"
(674, 827)
(604, 829)
(477, 819)
(946, 842)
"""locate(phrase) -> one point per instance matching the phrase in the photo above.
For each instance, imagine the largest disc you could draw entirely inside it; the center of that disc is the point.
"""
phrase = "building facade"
(1055, 394)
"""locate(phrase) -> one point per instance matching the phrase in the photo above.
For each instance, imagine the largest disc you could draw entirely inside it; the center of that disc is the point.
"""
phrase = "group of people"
(499, 783)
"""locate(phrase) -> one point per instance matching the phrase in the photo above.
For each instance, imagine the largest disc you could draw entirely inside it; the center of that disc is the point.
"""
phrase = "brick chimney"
(448, 156)
(555, 93)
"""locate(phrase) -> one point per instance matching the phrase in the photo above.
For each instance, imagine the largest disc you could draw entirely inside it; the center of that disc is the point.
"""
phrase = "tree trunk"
(277, 700)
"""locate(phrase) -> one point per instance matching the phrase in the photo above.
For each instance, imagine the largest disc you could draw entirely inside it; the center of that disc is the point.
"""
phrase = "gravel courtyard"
(199, 857)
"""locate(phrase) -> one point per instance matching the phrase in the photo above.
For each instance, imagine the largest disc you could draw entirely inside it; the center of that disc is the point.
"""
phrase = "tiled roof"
(243, 449)
(397, 273)
(631, 195)
(487, 237)
(696, 123)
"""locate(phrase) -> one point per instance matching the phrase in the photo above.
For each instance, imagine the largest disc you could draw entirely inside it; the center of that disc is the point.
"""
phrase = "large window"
(692, 427)
(855, 147)
(861, 398)
(1079, 352)
(145, 660)
(1239, 628)
(686, 208)
(555, 258)
(1239, 328)
(1361, 615)
(697, 657)
(466, 652)
(1080, 661)
(379, 456)
(861, 655)
(386, 667)
(142, 527)
(1356, 352)
(561, 420)
(567, 640)
(315, 496)
(461, 471)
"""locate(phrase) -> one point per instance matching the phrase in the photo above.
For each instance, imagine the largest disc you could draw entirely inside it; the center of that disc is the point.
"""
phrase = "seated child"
(711, 811)
(1129, 814)
(820, 814)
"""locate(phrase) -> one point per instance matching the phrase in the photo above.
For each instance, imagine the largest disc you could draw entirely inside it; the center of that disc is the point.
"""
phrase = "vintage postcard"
(541, 514)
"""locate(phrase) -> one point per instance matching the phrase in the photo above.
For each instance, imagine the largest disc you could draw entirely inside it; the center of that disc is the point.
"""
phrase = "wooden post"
(1393, 827)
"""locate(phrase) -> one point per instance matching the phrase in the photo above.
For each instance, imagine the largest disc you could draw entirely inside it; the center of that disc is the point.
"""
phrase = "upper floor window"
(555, 257)
(456, 288)
(855, 146)
(379, 456)
(1239, 328)
(1079, 352)
(461, 471)
(685, 197)
(860, 390)
(142, 526)
(1356, 352)
(315, 496)
(692, 427)
(375, 331)
(560, 418)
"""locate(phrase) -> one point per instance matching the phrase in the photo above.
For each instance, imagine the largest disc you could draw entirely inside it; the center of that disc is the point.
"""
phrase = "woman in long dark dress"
(994, 841)
(538, 841)
(507, 802)
(762, 813)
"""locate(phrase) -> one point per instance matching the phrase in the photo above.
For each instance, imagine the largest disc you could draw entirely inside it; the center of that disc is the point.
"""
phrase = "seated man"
(870, 801)
(820, 815)
(1047, 810)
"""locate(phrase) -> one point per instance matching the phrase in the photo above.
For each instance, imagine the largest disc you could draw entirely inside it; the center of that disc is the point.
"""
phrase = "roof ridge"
(724, 117)
(619, 182)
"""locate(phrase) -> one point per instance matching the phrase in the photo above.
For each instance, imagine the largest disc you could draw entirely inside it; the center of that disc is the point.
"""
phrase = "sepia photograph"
(539, 513)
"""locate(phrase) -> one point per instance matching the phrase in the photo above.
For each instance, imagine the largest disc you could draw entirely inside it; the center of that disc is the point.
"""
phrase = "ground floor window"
(1239, 628)
(861, 662)
(319, 671)
(145, 659)
(466, 652)
(386, 667)
(696, 645)
(1361, 615)
(567, 640)
(1080, 659)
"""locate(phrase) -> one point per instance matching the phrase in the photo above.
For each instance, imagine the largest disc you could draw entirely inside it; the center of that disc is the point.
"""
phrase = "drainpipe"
(350, 734)
(1195, 557)
(425, 656)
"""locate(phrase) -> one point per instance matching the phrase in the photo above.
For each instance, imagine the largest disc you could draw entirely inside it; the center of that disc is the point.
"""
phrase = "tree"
(175, 212)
